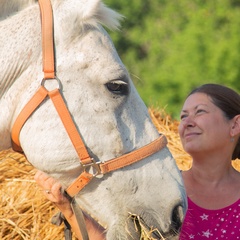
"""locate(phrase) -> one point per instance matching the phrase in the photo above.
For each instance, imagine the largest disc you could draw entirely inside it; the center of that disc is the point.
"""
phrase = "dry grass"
(25, 214)
(169, 127)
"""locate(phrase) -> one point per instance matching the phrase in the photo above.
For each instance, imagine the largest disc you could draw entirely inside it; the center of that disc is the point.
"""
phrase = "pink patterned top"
(221, 224)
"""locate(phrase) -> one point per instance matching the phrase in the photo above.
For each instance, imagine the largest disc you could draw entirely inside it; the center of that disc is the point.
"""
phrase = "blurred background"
(171, 47)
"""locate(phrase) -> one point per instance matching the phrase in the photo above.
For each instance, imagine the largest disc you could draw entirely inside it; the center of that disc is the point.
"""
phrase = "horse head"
(106, 109)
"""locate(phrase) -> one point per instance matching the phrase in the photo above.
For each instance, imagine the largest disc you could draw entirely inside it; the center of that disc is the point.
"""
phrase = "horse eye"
(117, 87)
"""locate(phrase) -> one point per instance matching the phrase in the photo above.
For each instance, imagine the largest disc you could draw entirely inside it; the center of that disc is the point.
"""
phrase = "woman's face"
(203, 127)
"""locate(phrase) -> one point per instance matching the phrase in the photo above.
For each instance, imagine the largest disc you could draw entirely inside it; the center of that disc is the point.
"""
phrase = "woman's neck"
(212, 187)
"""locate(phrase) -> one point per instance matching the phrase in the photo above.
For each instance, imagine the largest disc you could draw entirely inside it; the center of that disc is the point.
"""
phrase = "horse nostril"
(177, 218)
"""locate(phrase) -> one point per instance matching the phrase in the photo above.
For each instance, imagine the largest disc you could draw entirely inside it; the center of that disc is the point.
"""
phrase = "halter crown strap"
(47, 39)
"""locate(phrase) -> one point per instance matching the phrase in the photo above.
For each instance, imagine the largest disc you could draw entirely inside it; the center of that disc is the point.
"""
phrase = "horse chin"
(138, 229)
(135, 228)
(153, 228)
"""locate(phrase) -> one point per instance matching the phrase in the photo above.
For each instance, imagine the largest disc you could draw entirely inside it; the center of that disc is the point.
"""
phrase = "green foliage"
(170, 47)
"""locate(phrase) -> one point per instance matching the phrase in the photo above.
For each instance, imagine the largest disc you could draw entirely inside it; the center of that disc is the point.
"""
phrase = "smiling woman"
(209, 131)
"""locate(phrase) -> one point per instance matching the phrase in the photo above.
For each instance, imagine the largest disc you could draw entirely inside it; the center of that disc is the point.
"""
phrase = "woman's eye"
(199, 111)
(183, 116)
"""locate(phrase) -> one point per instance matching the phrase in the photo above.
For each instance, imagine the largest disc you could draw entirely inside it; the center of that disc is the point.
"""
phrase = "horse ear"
(84, 9)
(98, 10)
(89, 8)
(72, 15)
(89, 11)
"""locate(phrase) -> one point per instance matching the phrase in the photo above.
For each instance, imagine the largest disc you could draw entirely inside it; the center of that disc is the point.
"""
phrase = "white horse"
(107, 110)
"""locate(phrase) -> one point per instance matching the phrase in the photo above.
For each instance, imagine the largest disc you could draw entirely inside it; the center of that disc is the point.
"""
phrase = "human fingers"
(44, 180)
(51, 187)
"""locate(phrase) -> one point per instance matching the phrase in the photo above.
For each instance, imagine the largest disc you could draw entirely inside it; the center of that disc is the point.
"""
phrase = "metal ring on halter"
(93, 168)
(58, 86)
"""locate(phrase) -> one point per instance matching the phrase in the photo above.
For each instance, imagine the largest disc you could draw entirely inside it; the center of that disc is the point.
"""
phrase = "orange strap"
(118, 163)
(64, 114)
(26, 112)
(42, 93)
(78, 184)
(69, 125)
(134, 156)
(48, 69)
(47, 39)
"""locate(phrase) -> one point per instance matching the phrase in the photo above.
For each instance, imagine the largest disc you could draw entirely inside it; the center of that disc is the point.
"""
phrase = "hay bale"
(25, 213)
(169, 127)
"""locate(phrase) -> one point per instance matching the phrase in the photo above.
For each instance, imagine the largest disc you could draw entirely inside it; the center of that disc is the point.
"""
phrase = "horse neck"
(10, 7)
(21, 48)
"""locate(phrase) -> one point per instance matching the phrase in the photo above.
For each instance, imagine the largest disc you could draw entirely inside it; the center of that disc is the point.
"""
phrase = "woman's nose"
(188, 121)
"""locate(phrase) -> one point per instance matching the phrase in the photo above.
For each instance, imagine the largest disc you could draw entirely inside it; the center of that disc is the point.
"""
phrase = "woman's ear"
(235, 130)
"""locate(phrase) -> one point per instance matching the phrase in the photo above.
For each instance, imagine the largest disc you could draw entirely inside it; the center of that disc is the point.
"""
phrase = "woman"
(209, 131)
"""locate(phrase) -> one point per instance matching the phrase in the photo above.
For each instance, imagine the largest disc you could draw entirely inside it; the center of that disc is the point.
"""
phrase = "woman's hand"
(52, 189)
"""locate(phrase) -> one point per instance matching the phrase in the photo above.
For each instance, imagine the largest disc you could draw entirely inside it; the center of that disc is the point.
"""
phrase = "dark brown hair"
(227, 100)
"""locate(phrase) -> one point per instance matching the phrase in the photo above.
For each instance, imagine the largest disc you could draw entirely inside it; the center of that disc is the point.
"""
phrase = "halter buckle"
(93, 167)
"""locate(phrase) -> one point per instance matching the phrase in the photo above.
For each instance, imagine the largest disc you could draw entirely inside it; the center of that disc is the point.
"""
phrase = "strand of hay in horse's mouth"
(25, 214)
(146, 233)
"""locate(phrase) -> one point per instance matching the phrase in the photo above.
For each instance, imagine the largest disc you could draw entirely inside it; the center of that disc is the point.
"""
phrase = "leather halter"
(55, 95)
